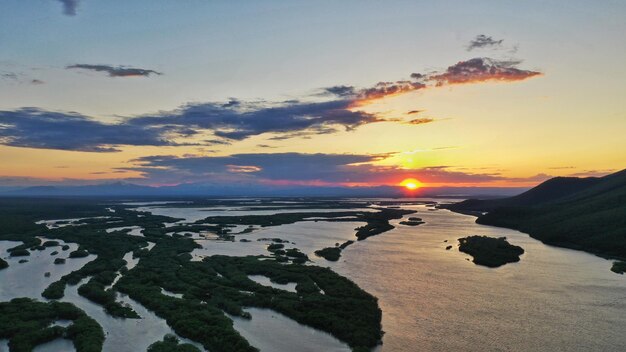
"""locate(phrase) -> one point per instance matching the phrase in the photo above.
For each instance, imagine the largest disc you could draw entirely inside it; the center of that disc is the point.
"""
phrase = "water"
(554, 299)
(27, 279)
(432, 299)
(195, 214)
(270, 331)
(265, 281)
(133, 230)
(124, 335)
(308, 236)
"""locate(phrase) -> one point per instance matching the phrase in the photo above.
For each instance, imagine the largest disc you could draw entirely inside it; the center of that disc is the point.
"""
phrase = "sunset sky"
(341, 93)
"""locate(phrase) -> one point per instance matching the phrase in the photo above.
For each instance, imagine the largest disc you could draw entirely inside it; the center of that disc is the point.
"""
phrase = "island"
(619, 267)
(413, 221)
(489, 251)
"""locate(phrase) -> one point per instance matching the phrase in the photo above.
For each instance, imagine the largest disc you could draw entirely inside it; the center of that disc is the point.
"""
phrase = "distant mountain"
(580, 213)
(549, 191)
(118, 189)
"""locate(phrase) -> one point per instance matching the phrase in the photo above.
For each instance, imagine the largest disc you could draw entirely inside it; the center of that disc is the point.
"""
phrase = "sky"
(315, 93)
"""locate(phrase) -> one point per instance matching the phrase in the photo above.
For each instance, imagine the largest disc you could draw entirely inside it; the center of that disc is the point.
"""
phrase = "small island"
(413, 221)
(329, 253)
(489, 251)
(619, 267)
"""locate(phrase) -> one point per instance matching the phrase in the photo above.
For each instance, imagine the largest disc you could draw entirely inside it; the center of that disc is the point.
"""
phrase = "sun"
(411, 184)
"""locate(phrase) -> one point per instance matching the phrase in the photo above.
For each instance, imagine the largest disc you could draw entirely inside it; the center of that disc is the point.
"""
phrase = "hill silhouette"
(581, 213)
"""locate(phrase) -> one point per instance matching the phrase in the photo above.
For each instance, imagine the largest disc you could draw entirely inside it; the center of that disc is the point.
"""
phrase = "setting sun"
(411, 184)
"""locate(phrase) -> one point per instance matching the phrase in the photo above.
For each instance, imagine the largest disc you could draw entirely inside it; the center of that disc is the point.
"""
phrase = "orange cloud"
(386, 89)
(482, 70)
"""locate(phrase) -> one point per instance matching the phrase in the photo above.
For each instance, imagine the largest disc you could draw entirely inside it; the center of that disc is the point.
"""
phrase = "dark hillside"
(587, 214)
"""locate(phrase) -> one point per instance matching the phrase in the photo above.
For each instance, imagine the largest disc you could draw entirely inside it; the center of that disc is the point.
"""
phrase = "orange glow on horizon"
(411, 184)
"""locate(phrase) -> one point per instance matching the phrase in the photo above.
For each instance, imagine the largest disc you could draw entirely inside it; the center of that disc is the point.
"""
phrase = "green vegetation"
(329, 253)
(376, 222)
(28, 323)
(412, 221)
(79, 253)
(619, 267)
(20, 253)
(216, 285)
(585, 214)
(170, 343)
(274, 246)
(344, 310)
(489, 251)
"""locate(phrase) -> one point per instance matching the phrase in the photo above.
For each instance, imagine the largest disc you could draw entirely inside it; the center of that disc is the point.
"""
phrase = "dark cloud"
(217, 142)
(481, 70)
(116, 71)
(36, 81)
(483, 41)
(341, 91)
(276, 166)
(297, 168)
(413, 112)
(241, 121)
(8, 75)
(70, 6)
(35, 128)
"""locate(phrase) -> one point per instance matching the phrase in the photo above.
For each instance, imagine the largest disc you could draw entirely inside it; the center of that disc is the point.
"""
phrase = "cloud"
(420, 121)
(240, 121)
(303, 169)
(35, 128)
(483, 41)
(593, 173)
(37, 82)
(478, 70)
(385, 89)
(212, 123)
(70, 6)
(9, 75)
(115, 71)
(340, 91)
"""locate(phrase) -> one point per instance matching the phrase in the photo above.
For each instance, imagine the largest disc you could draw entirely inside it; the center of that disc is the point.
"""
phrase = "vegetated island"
(413, 221)
(333, 253)
(27, 323)
(619, 267)
(578, 213)
(489, 251)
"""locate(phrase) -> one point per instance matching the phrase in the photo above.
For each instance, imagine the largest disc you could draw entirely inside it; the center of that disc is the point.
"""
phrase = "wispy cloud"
(420, 121)
(116, 71)
(70, 6)
(8, 75)
(484, 41)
